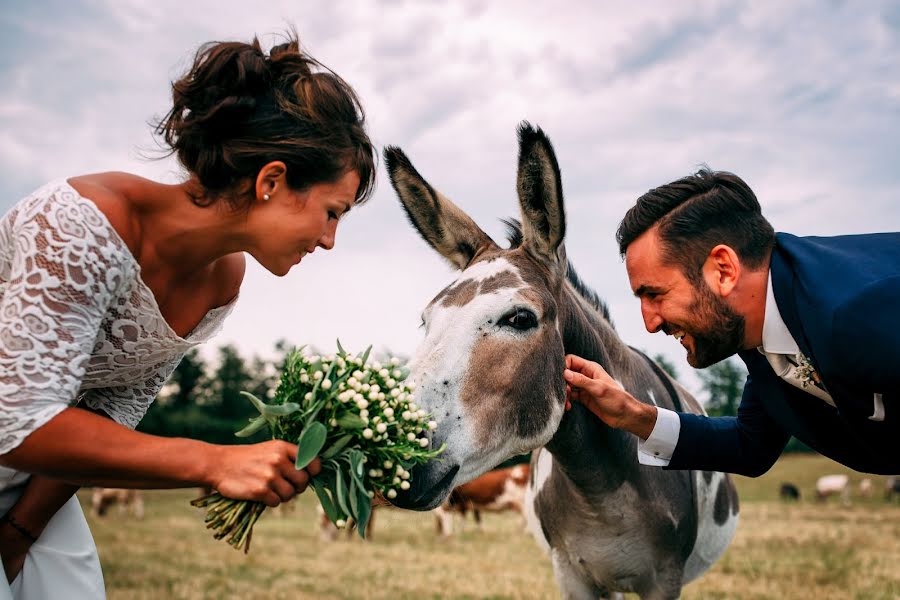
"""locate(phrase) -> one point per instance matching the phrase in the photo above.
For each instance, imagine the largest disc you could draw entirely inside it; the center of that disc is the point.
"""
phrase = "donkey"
(490, 372)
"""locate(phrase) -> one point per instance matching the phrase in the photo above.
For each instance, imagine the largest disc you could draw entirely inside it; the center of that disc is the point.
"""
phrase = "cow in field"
(789, 492)
(866, 488)
(103, 499)
(892, 487)
(490, 371)
(833, 485)
(495, 491)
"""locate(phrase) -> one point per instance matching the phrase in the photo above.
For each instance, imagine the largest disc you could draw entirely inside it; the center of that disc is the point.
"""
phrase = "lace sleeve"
(127, 405)
(61, 268)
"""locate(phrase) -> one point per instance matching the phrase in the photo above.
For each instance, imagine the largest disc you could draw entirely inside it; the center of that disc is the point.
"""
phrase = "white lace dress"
(77, 323)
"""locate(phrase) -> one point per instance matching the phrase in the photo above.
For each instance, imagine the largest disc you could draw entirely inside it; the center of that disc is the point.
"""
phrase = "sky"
(801, 99)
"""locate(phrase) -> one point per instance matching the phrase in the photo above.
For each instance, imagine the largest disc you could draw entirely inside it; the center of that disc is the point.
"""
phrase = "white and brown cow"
(490, 371)
(498, 490)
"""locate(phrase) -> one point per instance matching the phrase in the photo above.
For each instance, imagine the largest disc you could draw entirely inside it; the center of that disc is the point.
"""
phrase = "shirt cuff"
(657, 450)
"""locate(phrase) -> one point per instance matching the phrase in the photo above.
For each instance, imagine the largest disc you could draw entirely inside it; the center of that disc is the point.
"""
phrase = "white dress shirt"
(777, 345)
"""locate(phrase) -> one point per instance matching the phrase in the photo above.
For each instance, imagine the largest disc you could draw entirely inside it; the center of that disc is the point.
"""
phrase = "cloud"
(799, 99)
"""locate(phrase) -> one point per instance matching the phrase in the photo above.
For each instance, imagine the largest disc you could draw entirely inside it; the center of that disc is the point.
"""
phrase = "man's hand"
(588, 383)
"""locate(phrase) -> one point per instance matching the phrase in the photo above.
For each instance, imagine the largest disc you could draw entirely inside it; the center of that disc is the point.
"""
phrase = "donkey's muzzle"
(430, 484)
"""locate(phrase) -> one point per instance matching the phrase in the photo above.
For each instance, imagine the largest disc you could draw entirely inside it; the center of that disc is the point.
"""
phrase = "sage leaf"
(255, 425)
(341, 488)
(324, 499)
(364, 508)
(351, 421)
(310, 444)
(354, 500)
(337, 446)
(257, 403)
(280, 410)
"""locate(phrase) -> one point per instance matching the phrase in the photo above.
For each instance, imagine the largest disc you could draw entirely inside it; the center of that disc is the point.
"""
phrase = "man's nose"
(652, 320)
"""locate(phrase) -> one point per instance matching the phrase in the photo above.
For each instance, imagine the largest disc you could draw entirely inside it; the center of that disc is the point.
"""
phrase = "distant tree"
(187, 381)
(724, 382)
(264, 378)
(666, 365)
(230, 378)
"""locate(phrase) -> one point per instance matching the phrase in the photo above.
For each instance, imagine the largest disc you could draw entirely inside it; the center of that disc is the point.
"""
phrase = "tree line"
(204, 402)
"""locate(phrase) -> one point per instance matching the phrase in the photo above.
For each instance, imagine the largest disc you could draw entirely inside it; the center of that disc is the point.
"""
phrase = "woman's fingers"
(297, 478)
(314, 468)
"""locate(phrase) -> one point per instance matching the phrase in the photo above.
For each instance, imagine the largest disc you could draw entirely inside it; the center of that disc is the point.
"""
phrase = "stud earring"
(266, 197)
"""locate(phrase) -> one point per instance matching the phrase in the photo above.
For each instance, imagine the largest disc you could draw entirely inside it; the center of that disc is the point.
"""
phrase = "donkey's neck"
(589, 452)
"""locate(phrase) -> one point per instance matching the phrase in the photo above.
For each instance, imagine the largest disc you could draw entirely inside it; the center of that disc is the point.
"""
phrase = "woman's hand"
(588, 383)
(261, 472)
(15, 547)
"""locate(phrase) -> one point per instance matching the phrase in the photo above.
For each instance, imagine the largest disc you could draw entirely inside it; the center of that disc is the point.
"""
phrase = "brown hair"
(696, 213)
(238, 109)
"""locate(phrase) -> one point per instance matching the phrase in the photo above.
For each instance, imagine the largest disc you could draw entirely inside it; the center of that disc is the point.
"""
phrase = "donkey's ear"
(441, 223)
(540, 194)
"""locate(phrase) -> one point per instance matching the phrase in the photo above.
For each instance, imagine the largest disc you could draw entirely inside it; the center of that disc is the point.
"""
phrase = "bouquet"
(359, 418)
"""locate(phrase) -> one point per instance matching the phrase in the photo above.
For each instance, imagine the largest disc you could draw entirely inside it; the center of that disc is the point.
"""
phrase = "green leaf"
(259, 404)
(354, 500)
(324, 499)
(341, 348)
(365, 355)
(364, 508)
(341, 488)
(337, 446)
(280, 410)
(356, 462)
(310, 444)
(356, 468)
(255, 425)
(351, 421)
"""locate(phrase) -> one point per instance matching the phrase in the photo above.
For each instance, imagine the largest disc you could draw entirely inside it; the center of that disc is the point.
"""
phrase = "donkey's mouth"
(423, 495)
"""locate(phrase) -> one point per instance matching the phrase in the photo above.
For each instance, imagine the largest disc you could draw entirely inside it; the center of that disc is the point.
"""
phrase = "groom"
(815, 320)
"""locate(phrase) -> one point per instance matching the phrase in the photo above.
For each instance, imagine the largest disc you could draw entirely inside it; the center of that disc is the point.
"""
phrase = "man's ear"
(270, 179)
(722, 270)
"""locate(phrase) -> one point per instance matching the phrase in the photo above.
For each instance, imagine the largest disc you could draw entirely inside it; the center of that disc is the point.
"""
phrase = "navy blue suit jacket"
(840, 299)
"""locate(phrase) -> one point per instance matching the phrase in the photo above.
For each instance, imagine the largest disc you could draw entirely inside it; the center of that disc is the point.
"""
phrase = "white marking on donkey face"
(441, 366)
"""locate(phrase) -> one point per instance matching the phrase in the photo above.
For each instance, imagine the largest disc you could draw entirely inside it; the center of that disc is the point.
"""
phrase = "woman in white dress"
(107, 280)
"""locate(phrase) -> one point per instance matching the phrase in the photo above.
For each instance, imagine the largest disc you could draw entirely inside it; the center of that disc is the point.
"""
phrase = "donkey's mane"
(514, 237)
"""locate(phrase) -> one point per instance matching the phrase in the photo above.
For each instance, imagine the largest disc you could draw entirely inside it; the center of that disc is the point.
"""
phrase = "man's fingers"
(577, 380)
(315, 467)
(581, 365)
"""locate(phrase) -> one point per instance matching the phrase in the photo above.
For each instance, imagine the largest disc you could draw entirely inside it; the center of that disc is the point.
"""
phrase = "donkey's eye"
(520, 318)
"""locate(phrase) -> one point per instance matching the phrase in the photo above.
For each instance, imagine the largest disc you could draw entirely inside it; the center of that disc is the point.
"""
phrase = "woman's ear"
(722, 269)
(270, 180)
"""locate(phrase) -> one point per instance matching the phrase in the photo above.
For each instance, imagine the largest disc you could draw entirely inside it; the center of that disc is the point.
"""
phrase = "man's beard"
(722, 332)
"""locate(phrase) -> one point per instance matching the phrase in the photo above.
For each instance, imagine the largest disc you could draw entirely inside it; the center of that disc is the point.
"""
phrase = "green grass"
(805, 550)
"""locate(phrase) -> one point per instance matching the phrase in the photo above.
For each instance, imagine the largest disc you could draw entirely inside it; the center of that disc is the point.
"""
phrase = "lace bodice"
(76, 320)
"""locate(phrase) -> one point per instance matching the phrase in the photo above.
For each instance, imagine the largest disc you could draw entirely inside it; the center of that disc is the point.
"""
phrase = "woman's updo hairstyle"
(238, 109)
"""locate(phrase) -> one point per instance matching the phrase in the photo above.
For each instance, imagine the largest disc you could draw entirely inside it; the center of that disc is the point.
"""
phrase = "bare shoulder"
(229, 274)
(110, 193)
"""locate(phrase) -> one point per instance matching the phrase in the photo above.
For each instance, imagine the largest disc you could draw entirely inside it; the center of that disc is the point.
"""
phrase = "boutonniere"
(806, 372)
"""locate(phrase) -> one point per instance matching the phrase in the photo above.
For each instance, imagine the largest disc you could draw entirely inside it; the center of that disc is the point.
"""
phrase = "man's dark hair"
(695, 214)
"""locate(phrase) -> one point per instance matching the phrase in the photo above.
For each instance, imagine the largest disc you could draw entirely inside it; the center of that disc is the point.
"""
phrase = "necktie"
(787, 366)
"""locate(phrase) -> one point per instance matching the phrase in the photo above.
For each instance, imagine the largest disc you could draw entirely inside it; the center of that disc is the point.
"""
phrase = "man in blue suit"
(815, 320)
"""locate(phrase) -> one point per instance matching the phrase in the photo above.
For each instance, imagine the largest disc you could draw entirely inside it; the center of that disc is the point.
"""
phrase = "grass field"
(805, 550)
